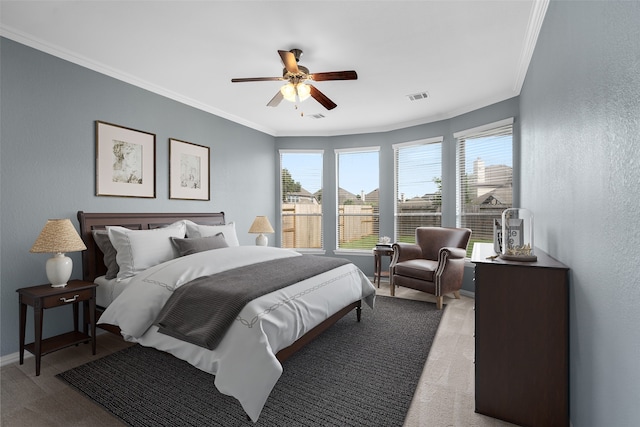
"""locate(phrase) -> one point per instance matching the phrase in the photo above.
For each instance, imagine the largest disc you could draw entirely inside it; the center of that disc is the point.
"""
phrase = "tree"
(438, 199)
(289, 185)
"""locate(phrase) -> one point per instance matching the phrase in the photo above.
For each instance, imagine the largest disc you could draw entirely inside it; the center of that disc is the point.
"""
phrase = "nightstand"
(44, 296)
(378, 252)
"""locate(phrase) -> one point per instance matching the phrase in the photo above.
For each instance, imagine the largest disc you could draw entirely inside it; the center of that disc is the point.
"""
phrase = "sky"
(306, 168)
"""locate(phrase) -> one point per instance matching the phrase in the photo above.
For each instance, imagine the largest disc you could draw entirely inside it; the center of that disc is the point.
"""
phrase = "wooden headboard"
(93, 258)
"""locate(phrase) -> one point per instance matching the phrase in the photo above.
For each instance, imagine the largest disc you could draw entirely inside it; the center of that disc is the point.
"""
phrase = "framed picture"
(514, 235)
(497, 235)
(188, 171)
(125, 161)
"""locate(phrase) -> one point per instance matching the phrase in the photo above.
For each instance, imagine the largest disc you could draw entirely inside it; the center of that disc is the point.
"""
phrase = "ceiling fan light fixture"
(304, 91)
(289, 92)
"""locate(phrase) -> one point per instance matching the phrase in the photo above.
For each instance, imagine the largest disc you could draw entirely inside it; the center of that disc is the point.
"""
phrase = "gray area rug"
(354, 374)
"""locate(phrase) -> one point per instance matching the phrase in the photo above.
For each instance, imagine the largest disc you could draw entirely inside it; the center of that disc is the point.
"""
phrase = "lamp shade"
(304, 91)
(289, 92)
(58, 236)
(261, 225)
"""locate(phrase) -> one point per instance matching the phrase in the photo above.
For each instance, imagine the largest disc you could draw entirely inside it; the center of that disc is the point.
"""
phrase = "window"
(484, 182)
(357, 192)
(301, 199)
(418, 186)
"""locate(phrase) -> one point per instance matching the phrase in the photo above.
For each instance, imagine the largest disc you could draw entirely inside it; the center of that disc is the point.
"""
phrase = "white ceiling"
(464, 54)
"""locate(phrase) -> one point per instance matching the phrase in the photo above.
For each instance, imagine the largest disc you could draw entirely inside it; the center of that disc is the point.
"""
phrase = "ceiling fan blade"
(275, 101)
(334, 75)
(289, 61)
(322, 98)
(257, 79)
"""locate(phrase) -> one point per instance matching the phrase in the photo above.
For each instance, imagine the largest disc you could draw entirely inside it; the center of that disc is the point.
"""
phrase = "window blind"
(418, 187)
(484, 183)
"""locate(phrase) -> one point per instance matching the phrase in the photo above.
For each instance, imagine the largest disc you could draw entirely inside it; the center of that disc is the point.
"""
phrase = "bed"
(247, 362)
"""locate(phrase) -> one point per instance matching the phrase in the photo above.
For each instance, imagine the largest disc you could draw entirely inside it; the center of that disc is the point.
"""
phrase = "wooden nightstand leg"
(85, 317)
(92, 320)
(23, 322)
(75, 316)
(37, 345)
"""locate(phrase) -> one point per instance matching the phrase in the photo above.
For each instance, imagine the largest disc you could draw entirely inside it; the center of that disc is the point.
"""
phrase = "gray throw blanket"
(201, 311)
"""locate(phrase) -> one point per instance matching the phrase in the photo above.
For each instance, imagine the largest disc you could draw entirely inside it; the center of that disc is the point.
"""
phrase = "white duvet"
(244, 364)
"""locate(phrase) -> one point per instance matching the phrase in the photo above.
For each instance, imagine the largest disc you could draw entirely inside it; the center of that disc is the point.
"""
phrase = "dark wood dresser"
(521, 339)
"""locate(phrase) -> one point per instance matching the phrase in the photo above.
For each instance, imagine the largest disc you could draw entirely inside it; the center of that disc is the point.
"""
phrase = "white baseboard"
(13, 358)
(468, 293)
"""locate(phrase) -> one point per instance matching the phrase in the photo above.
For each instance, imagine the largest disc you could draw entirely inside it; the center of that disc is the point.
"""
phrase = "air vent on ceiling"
(418, 96)
(316, 116)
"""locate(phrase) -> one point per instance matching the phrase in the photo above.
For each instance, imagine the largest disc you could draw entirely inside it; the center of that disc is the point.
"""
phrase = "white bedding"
(108, 290)
(244, 364)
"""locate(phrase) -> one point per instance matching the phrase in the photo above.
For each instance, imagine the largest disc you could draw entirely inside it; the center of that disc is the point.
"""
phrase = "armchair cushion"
(421, 269)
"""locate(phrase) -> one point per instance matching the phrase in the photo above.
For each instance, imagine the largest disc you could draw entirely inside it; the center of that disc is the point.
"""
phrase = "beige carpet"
(445, 393)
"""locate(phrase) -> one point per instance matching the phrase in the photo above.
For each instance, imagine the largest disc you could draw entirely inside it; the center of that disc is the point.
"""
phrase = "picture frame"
(189, 169)
(514, 235)
(497, 235)
(125, 161)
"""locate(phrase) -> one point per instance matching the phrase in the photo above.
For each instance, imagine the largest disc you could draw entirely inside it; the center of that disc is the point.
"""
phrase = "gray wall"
(580, 118)
(48, 164)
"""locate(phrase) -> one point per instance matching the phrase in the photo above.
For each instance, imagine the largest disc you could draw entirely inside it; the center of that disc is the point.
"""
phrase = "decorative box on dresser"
(521, 338)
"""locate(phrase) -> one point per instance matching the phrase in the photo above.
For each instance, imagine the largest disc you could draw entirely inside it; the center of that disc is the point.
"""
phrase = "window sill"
(310, 251)
(353, 252)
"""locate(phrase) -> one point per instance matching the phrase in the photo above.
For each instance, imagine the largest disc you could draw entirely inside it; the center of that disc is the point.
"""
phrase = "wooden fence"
(302, 224)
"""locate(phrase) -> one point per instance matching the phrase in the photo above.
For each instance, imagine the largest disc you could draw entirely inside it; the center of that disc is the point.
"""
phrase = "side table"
(44, 296)
(378, 252)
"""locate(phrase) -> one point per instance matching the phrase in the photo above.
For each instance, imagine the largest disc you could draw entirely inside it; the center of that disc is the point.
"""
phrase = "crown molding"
(536, 18)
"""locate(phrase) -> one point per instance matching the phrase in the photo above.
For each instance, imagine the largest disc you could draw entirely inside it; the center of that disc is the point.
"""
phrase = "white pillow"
(227, 230)
(137, 250)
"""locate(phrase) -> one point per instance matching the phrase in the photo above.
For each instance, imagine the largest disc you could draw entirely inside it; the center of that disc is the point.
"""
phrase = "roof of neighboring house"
(302, 193)
(344, 195)
(502, 195)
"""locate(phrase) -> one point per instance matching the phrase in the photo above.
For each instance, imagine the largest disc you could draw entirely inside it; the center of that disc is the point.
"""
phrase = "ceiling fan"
(297, 75)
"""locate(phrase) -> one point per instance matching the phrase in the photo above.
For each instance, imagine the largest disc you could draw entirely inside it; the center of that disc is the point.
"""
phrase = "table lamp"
(57, 237)
(260, 226)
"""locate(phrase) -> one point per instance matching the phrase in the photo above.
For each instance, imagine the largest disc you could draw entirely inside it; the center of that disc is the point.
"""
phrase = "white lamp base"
(262, 240)
(59, 269)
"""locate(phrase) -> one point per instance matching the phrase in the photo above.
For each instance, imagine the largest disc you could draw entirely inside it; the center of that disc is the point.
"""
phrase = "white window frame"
(320, 250)
(399, 146)
(337, 152)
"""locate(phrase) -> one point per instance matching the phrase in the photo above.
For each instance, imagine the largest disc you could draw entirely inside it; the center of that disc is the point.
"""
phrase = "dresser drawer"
(67, 298)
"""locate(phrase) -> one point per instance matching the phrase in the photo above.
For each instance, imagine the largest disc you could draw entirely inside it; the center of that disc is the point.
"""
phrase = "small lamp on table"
(261, 226)
(57, 237)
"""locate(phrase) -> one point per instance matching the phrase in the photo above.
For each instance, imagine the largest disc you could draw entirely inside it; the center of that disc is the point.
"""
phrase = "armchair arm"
(448, 275)
(405, 251)
(453, 252)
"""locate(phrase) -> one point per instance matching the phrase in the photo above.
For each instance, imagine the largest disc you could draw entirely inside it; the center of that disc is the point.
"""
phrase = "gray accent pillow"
(101, 237)
(199, 244)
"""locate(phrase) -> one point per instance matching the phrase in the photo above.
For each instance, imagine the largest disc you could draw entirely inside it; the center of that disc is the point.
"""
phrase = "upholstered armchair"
(434, 264)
